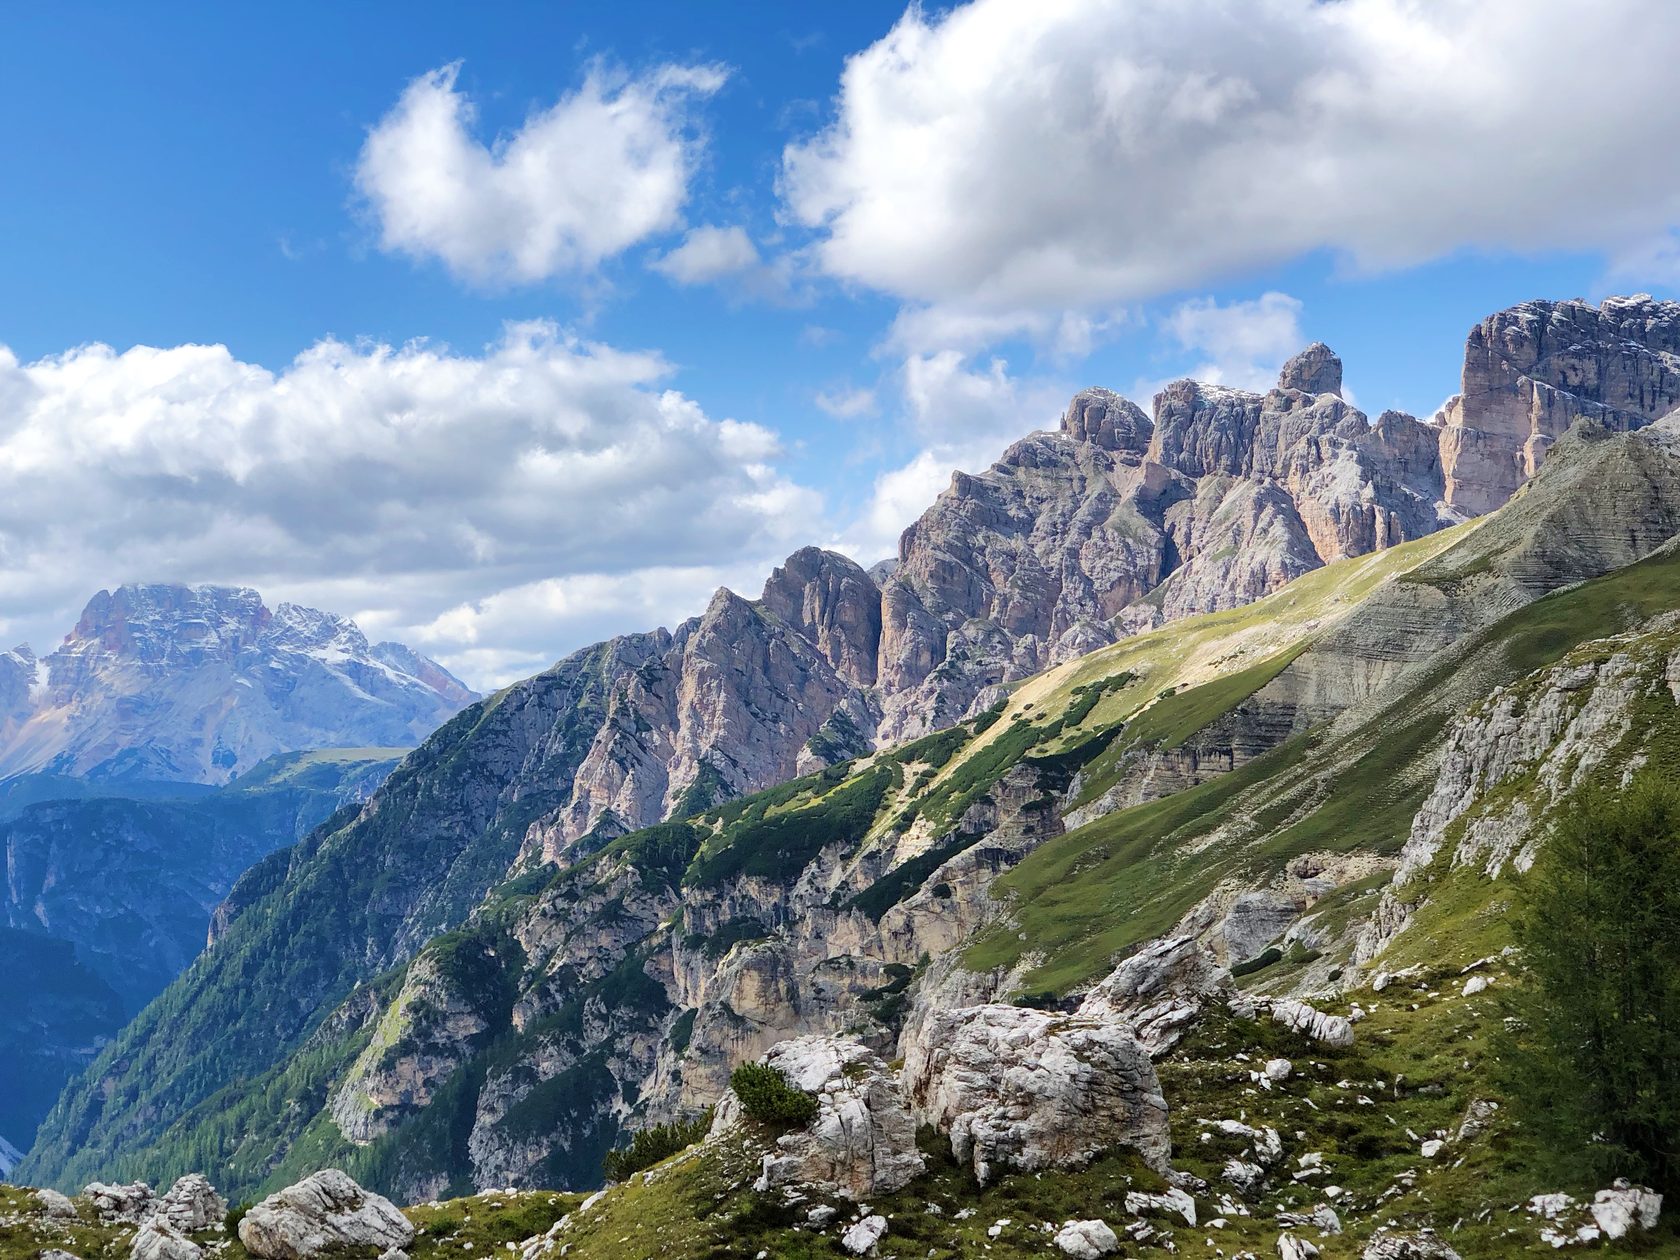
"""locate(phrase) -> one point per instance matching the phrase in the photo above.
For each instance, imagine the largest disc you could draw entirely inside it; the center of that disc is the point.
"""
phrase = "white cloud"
(708, 254)
(601, 169)
(963, 415)
(999, 164)
(1243, 343)
(847, 404)
(395, 482)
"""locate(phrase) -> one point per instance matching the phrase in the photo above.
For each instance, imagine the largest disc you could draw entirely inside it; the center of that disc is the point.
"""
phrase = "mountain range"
(176, 736)
(198, 684)
(1189, 733)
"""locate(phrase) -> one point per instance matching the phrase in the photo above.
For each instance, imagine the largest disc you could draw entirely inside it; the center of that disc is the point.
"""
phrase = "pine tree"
(1597, 1053)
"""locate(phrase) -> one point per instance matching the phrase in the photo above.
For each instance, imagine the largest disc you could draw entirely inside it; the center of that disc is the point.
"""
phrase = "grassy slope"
(1085, 897)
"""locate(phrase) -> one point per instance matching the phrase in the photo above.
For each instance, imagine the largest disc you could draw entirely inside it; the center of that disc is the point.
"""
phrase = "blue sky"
(911, 236)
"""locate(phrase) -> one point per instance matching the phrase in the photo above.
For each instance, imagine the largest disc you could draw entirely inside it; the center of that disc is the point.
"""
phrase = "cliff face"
(198, 684)
(1533, 370)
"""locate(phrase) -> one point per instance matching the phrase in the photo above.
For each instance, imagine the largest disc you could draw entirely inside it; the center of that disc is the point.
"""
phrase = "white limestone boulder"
(863, 1140)
(1025, 1089)
(323, 1213)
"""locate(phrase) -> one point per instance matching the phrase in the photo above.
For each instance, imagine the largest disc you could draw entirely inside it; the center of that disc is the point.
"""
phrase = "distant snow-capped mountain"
(200, 683)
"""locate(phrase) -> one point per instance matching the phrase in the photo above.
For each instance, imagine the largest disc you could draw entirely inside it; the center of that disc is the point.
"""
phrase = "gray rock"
(130, 1204)
(1478, 1119)
(1159, 992)
(862, 1235)
(1331, 1030)
(320, 1214)
(1316, 370)
(1174, 1202)
(1018, 1088)
(1086, 1240)
(1254, 921)
(192, 1204)
(1424, 1245)
(56, 1205)
(1103, 418)
(158, 1239)
(1246, 1177)
(1625, 1207)
(1533, 370)
(863, 1140)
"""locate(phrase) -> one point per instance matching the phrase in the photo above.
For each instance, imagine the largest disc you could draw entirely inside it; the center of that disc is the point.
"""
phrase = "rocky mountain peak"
(1104, 418)
(1316, 370)
(835, 604)
(199, 683)
(1532, 370)
(157, 621)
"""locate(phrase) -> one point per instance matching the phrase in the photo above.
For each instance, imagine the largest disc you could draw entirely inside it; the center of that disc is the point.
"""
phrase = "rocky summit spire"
(1105, 419)
(1316, 370)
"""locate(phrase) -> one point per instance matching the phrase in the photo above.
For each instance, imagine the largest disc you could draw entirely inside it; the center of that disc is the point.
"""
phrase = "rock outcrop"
(200, 683)
(192, 1204)
(1020, 1089)
(863, 1139)
(1086, 1240)
(1533, 370)
(1159, 992)
(320, 1215)
(131, 1204)
(160, 1239)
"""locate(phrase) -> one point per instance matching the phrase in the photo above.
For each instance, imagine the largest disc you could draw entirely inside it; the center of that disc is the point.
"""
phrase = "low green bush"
(770, 1098)
(649, 1146)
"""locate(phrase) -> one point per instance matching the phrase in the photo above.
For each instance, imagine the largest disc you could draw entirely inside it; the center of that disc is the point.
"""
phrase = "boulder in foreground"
(323, 1214)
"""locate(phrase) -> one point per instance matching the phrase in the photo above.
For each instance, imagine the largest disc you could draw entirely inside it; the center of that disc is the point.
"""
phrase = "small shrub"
(235, 1215)
(649, 1146)
(1259, 962)
(770, 1098)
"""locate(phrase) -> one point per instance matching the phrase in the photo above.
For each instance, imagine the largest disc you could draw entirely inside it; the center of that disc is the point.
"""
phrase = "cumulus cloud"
(394, 483)
(1243, 343)
(708, 254)
(600, 170)
(1000, 163)
(846, 404)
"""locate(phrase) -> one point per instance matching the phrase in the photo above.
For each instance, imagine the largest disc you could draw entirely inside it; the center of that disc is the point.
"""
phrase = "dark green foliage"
(989, 718)
(1087, 696)
(768, 1097)
(932, 750)
(903, 880)
(727, 935)
(780, 845)
(1177, 715)
(1599, 926)
(838, 740)
(682, 1030)
(663, 850)
(649, 1146)
(707, 790)
(1265, 958)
